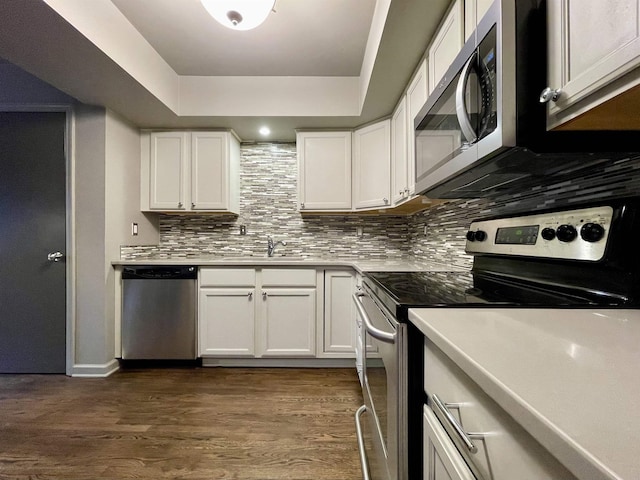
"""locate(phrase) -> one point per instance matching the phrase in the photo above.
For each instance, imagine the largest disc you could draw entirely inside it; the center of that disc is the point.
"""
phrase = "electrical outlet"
(425, 229)
(134, 229)
(359, 231)
(243, 229)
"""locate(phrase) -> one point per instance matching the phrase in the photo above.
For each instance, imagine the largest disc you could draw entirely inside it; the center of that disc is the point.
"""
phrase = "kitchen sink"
(275, 258)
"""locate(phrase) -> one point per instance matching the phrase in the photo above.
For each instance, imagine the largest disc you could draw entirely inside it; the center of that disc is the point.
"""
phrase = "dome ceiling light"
(239, 14)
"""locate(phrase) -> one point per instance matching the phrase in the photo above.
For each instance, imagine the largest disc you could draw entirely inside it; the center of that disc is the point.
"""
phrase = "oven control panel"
(573, 235)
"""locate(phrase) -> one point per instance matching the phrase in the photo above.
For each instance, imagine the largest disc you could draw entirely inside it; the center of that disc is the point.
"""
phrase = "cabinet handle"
(301, 206)
(264, 295)
(550, 94)
(250, 295)
(450, 419)
(179, 204)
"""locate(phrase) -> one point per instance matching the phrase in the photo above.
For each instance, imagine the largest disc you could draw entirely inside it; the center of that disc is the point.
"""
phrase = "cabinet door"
(339, 313)
(372, 165)
(474, 10)
(417, 94)
(591, 43)
(288, 322)
(441, 459)
(446, 44)
(399, 154)
(226, 322)
(324, 161)
(168, 170)
(209, 171)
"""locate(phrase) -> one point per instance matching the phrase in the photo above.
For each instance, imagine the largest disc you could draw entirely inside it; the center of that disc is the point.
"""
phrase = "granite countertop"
(569, 377)
(359, 264)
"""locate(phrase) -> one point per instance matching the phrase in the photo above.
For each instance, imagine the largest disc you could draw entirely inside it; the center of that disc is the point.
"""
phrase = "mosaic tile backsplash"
(268, 206)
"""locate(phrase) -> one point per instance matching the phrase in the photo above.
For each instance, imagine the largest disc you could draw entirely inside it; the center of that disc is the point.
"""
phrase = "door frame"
(70, 196)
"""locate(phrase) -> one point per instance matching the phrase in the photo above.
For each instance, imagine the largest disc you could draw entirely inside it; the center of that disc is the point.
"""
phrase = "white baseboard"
(90, 370)
(280, 362)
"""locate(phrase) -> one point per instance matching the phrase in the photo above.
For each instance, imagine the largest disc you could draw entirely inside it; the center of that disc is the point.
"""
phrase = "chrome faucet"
(272, 246)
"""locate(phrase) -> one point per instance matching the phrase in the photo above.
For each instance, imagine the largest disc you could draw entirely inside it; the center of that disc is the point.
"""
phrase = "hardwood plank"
(202, 423)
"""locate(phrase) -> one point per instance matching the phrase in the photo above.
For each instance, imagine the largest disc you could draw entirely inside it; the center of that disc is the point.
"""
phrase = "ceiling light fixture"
(264, 131)
(239, 14)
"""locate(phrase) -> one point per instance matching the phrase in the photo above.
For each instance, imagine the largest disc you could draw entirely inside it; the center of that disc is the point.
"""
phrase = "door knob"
(55, 256)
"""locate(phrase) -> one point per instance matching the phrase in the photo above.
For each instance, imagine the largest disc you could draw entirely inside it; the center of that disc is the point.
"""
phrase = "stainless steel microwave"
(483, 128)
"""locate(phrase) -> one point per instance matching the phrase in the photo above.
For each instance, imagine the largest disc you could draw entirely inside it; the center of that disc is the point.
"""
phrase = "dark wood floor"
(204, 423)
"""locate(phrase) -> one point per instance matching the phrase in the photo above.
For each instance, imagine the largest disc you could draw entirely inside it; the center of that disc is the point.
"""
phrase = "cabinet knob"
(301, 206)
(401, 193)
(550, 94)
(179, 204)
(385, 200)
(264, 295)
(406, 192)
(193, 205)
(250, 295)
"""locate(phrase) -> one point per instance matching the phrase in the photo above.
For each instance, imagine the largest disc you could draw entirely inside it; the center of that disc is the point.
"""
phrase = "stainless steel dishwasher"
(159, 313)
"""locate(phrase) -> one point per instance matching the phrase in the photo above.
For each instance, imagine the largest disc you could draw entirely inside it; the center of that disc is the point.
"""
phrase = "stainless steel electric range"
(576, 258)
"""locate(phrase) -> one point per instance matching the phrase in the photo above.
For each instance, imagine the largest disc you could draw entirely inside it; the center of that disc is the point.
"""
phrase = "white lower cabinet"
(339, 334)
(227, 320)
(504, 449)
(263, 312)
(287, 322)
(442, 461)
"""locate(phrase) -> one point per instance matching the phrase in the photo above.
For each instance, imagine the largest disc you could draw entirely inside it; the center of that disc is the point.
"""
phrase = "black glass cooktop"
(400, 291)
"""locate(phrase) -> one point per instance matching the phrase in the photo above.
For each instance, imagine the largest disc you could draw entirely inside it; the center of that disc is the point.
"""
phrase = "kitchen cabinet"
(594, 52)
(226, 313)
(474, 10)
(372, 166)
(324, 170)
(505, 450)
(441, 459)
(339, 332)
(190, 171)
(288, 314)
(399, 153)
(417, 94)
(446, 44)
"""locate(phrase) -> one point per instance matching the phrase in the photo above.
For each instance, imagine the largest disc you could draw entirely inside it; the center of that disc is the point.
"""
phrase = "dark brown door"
(32, 226)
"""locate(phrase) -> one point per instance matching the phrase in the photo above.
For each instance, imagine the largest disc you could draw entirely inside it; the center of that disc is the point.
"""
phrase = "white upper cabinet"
(399, 154)
(168, 168)
(417, 94)
(592, 44)
(190, 171)
(446, 44)
(372, 166)
(474, 10)
(324, 175)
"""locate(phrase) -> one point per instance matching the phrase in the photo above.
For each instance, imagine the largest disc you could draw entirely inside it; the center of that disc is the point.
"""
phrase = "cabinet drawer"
(288, 277)
(227, 277)
(507, 451)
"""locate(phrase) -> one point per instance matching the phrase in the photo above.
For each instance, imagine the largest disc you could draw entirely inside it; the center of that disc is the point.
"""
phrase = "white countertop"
(361, 265)
(569, 377)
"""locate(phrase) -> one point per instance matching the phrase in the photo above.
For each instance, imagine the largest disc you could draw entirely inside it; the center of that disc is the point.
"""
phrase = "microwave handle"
(461, 112)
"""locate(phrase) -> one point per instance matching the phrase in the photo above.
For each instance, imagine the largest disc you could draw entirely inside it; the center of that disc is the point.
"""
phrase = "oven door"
(383, 384)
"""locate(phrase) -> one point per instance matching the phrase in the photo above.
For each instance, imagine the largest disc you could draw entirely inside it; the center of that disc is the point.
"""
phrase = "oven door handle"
(362, 452)
(381, 335)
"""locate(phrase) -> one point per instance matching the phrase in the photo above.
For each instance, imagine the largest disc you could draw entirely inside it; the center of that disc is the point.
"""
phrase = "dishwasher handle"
(163, 272)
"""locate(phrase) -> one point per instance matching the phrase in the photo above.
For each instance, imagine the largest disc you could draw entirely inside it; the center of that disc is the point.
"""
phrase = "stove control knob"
(592, 232)
(566, 233)
(471, 236)
(548, 233)
(481, 236)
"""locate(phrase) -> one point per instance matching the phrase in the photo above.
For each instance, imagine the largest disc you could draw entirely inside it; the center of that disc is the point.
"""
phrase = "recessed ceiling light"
(264, 131)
